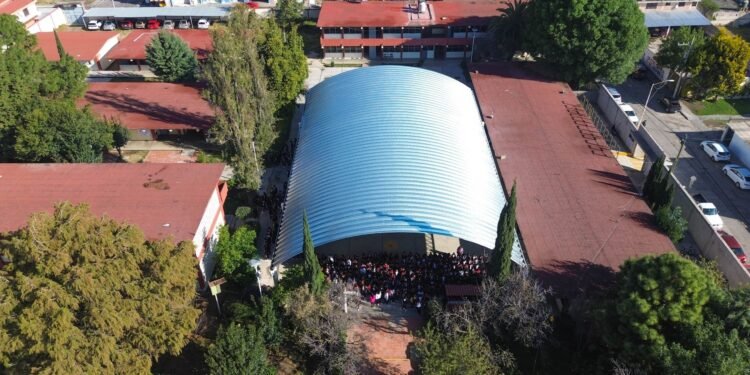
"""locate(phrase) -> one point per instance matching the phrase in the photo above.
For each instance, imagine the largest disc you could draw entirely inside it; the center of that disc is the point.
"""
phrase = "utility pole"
(684, 65)
(677, 159)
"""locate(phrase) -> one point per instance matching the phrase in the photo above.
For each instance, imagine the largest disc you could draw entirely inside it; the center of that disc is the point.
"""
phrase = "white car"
(711, 213)
(715, 150)
(183, 24)
(93, 25)
(630, 113)
(739, 174)
(168, 24)
(109, 25)
(203, 23)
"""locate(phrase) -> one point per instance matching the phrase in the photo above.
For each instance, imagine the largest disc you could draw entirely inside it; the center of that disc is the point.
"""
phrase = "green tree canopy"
(500, 261)
(289, 13)
(509, 27)
(238, 87)
(657, 297)
(313, 273)
(13, 34)
(238, 350)
(587, 40)
(721, 65)
(85, 294)
(170, 58)
(233, 251)
(446, 353)
(284, 60)
(679, 50)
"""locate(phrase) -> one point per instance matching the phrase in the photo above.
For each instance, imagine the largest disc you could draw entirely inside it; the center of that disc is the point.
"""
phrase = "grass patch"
(134, 156)
(208, 157)
(731, 107)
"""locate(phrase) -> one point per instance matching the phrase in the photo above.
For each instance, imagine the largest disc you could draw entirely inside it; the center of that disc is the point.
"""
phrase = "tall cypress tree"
(651, 178)
(311, 267)
(500, 261)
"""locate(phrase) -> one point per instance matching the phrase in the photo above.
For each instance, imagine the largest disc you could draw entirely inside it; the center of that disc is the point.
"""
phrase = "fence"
(598, 122)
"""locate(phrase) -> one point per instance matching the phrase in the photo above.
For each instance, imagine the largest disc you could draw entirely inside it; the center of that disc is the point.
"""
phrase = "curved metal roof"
(391, 149)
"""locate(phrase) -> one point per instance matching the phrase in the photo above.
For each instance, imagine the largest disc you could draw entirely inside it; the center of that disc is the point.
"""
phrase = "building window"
(352, 49)
(428, 48)
(352, 30)
(667, 4)
(391, 30)
(332, 49)
(411, 48)
(681, 4)
(455, 48)
(459, 29)
(412, 30)
(391, 49)
(331, 30)
(650, 5)
(26, 12)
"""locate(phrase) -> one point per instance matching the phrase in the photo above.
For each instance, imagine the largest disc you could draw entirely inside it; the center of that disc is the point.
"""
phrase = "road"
(706, 175)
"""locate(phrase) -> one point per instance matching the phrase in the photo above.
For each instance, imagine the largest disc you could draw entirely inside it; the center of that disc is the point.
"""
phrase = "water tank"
(422, 6)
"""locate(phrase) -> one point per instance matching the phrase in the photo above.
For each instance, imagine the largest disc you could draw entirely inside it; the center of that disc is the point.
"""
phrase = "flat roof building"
(151, 108)
(86, 47)
(179, 201)
(377, 172)
(579, 215)
(130, 53)
(404, 30)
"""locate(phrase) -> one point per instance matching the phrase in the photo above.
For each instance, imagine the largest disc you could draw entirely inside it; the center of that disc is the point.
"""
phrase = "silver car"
(738, 174)
(168, 24)
(109, 25)
(183, 24)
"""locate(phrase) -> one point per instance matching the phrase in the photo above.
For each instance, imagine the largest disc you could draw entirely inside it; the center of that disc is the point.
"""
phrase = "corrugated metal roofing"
(673, 18)
(391, 149)
(157, 12)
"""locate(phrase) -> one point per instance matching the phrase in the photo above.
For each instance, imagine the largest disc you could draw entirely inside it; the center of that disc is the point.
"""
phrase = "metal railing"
(599, 123)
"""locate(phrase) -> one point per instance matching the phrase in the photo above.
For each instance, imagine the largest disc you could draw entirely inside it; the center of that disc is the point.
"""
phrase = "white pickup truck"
(710, 211)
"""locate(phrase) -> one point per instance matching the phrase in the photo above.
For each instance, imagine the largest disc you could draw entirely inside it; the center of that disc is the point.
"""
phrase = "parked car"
(203, 23)
(109, 25)
(716, 151)
(738, 174)
(711, 213)
(168, 24)
(153, 24)
(140, 24)
(630, 112)
(615, 94)
(93, 25)
(126, 25)
(183, 24)
(671, 105)
(733, 244)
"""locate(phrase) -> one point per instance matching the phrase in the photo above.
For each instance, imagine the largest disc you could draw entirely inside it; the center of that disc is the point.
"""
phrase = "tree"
(238, 350)
(14, 35)
(85, 294)
(69, 80)
(57, 131)
(285, 61)
(500, 262)
(586, 40)
(721, 65)
(446, 353)
(237, 86)
(120, 137)
(657, 298)
(679, 50)
(289, 13)
(671, 221)
(709, 8)
(233, 251)
(170, 58)
(653, 175)
(313, 273)
(509, 26)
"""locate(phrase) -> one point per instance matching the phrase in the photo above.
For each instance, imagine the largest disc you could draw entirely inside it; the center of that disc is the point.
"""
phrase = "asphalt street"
(694, 170)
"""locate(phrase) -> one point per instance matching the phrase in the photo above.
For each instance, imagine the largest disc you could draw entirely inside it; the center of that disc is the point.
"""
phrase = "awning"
(394, 42)
(675, 18)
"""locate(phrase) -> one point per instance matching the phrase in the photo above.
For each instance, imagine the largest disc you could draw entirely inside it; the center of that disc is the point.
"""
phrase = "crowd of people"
(408, 279)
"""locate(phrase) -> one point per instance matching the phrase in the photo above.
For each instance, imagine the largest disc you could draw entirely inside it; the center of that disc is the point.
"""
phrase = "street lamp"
(255, 263)
(648, 98)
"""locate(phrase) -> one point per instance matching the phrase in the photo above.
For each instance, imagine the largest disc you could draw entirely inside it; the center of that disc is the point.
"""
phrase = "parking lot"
(695, 170)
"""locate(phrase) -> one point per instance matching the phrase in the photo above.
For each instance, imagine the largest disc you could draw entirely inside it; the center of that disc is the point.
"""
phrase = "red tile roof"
(12, 6)
(150, 105)
(394, 42)
(83, 46)
(178, 196)
(578, 214)
(133, 46)
(398, 13)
